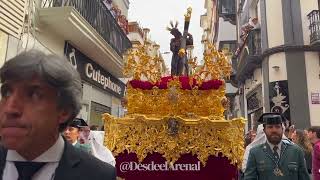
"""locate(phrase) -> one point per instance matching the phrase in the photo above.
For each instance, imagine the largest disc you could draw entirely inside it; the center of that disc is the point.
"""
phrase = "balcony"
(230, 47)
(254, 42)
(314, 27)
(90, 26)
(227, 10)
(135, 35)
(250, 55)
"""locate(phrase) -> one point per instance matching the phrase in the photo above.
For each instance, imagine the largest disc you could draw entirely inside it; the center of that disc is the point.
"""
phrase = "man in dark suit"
(40, 95)
(275, 159)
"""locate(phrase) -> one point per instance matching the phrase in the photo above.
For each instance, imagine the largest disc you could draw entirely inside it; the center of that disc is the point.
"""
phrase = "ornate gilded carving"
(175, 101)
(187, 16)
(140, 65)
(173, 126)
(216, 66)
(201, 136)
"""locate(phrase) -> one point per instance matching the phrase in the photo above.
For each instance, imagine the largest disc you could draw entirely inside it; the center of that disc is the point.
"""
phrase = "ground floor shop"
(102, 92)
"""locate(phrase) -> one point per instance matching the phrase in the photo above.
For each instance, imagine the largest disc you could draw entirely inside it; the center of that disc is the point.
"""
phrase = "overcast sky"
(156, 15)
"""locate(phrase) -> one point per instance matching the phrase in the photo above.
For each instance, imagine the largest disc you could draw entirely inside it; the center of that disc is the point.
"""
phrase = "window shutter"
(12, 14)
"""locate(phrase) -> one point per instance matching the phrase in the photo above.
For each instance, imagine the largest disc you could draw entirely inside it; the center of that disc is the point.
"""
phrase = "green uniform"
(83, 147)
(261, 163)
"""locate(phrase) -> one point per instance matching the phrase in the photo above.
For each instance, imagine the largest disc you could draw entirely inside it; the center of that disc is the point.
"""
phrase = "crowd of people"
(260, 162)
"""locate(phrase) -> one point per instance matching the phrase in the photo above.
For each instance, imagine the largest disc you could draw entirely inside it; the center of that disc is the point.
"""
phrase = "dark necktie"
(27, 169)
(275, 153)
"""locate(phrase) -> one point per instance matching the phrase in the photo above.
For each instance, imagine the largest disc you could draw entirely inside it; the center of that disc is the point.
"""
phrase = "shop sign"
(315, 98)
(93, 73)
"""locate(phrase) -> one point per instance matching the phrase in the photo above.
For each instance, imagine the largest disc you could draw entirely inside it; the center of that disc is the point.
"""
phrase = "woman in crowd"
(300, 138)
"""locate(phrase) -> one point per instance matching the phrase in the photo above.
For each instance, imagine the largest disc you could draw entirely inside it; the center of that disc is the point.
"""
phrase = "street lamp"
(276, 68)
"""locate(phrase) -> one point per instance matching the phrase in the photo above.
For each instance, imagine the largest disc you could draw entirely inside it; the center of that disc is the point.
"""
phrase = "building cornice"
(246, 67)
(288, 48)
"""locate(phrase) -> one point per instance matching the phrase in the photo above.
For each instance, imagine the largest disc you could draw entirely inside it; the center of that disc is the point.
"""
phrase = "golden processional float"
(175, 126)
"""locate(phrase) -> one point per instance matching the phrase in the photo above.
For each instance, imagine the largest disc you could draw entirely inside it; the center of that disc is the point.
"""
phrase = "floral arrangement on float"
(184, 80)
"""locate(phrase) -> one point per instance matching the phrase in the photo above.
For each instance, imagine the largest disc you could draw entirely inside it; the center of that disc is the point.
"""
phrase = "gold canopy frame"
(173, 121)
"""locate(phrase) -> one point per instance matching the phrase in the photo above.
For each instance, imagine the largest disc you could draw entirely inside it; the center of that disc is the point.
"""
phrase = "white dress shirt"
(279, 147)
(52, 157)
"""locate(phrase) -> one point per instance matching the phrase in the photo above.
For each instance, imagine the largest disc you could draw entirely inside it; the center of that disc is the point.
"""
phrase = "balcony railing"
(314, 27)
(227, 10)
(254, 42)
(227, 7)
(249, 60)
(100, 18)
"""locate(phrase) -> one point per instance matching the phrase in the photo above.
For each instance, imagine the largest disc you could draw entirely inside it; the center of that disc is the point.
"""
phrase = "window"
(96, 113)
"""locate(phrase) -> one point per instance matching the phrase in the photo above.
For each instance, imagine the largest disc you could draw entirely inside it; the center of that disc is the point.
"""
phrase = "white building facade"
(278, 60)
(87, 34)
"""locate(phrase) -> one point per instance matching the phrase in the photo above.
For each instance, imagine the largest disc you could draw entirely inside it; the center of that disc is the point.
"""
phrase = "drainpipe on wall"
(319, 63)
(216, 24)
(319, 52)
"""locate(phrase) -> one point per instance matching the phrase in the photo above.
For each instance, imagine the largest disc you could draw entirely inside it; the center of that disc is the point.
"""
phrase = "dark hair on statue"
(174, 29)
(175, 32)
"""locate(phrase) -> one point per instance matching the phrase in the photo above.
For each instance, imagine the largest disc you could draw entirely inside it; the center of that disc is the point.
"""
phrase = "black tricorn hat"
(78, 122)
(271, 118)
